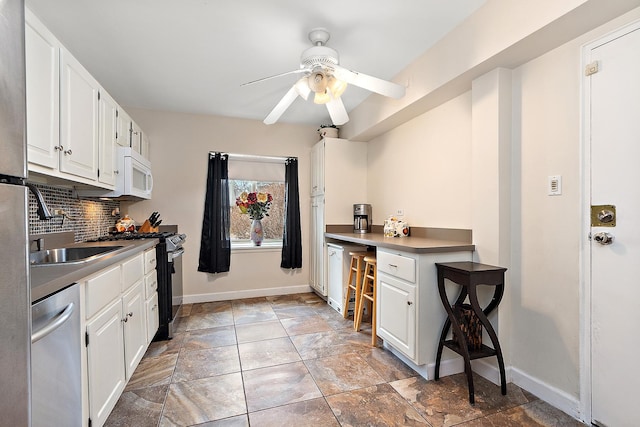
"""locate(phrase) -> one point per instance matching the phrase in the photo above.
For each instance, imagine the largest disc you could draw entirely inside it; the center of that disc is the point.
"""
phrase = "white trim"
(255, 158)
(248, 293)
(248, 246)
(553, 396)
(584, 404)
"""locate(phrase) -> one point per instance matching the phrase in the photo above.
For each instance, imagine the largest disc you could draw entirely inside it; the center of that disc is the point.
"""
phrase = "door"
(396, 313)
(613, 124)
(78, 119)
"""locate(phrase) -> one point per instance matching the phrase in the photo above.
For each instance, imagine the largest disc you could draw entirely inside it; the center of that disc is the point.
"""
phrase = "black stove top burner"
(133, 236)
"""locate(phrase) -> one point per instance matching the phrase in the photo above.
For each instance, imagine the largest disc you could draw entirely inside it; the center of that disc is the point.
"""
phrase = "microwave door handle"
(149, 182)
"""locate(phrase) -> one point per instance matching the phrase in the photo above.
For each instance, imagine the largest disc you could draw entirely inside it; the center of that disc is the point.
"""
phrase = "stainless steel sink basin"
(72, 255)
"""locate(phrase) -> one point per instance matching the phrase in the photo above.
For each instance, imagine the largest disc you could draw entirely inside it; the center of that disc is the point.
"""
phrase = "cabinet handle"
(393, 266)
(409, 303)
(116, 172)
(58, 148)
(130, 314)
(125, 320)
(154, 307)
(69, 152)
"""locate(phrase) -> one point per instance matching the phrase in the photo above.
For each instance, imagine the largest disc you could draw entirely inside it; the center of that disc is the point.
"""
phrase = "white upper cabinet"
(78, 119)
(124, 129)
(136, 138)
(108, 114)
(43, 91)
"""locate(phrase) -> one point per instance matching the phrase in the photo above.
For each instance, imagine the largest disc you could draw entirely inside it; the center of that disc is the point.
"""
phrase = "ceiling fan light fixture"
(317, 81)
(336, 86)
(322, 98)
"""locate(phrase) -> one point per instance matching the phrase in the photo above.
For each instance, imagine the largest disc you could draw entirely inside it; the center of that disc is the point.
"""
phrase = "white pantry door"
(615, 268)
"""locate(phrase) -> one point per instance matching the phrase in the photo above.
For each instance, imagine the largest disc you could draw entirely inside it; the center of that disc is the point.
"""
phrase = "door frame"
(585, 197)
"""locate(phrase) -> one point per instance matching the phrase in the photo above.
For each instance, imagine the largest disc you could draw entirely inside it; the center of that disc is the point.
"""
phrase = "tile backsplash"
(88, 219)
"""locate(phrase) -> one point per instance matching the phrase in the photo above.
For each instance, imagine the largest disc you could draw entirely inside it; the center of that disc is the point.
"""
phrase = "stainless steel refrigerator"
(15, 303)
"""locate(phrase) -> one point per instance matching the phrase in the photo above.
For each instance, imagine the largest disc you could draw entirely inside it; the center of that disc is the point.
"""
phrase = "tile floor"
(293, 361)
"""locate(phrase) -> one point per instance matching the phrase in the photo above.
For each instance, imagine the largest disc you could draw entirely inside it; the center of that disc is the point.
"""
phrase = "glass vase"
(257, 235)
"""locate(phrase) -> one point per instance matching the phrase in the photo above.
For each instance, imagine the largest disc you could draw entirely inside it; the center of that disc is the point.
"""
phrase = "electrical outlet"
(58, 212)
(400, 212)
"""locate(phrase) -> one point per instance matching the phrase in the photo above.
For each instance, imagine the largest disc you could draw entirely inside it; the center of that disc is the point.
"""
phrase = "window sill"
(249, 247)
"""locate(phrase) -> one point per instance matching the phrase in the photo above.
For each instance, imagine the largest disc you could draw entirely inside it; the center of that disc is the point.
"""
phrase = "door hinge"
(591, 68)
(89, 423)
(86, 344)
(98, 95)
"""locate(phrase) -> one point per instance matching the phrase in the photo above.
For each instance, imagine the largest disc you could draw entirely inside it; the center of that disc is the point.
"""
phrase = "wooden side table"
(469, 275)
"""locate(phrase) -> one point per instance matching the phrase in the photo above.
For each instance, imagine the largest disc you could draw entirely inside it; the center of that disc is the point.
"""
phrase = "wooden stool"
(368, 292)
(354, 282)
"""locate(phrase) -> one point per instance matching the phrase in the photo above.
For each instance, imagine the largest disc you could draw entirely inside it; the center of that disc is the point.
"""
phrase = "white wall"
(424, 168)
(179, 151)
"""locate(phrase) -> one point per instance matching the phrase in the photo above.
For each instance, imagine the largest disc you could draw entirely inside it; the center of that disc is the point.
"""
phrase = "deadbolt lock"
(603, 216)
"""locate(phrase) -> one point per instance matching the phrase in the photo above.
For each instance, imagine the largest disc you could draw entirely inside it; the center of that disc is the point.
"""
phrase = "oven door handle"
(175, 254)
(54, 324)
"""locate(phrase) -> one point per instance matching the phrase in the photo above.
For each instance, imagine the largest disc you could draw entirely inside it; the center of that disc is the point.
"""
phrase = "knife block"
(147, 228)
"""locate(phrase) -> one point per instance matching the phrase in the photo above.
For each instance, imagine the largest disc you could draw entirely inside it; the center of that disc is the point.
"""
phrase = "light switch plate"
(555, 185)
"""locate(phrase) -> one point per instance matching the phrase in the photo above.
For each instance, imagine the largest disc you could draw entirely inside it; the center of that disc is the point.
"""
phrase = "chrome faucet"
(43, 210)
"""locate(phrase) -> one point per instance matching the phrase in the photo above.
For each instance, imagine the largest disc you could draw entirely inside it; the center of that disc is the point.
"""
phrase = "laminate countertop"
(48, 279)
(406, 244)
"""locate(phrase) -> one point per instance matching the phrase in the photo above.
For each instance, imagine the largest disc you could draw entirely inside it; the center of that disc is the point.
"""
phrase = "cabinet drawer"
(150, 284)
(397, 265)
(102, 289)
(153, 317)
(132, 271)
(149, 260)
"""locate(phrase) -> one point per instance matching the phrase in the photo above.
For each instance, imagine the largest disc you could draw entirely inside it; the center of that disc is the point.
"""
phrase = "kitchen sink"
(72, 255)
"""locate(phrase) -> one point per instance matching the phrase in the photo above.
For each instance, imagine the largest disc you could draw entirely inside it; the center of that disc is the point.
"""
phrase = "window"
(256, 174)
(273, 225)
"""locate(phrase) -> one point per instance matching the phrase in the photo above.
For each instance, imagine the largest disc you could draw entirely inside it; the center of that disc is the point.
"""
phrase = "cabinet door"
(135, 328)
(124, 129)
(145, 150)
(317, 245)
(108, 110)
(396, 310)
(78, 119)
(136, 138)
(105, 363)
(153, 316)
(317, 169)
(43, 91)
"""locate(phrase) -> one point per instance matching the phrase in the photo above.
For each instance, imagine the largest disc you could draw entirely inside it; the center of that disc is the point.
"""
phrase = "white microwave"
(134, 174)
(133, 178)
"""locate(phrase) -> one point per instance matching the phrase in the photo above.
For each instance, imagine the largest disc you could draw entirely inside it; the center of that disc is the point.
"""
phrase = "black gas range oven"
(169, 270)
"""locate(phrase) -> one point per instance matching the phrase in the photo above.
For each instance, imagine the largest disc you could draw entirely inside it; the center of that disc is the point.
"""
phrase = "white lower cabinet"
(410, 314)
(118, 303)
(105, 362)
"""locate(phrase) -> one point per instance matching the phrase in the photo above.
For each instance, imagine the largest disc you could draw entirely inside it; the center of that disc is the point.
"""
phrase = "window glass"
(273, 224)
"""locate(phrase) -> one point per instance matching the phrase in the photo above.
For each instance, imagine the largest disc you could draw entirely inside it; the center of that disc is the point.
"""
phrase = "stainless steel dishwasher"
(55, 359)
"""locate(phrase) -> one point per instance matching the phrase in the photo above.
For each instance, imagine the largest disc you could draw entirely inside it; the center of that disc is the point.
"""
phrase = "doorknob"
(603, 238)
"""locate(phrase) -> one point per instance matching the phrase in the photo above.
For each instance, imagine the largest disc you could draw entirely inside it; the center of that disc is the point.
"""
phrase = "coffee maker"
(362, 218)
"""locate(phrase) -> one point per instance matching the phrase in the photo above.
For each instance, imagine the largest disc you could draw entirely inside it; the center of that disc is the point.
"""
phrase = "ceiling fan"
(323, 75)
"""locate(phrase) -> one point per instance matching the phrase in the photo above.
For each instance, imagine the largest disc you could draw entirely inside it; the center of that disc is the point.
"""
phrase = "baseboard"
(553, 396)
(249, 293)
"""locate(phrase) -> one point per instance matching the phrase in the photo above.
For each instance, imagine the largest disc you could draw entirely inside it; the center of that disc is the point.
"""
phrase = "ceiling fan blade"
(337, 112)
(301, 70)
(373, 84)
(282, 106)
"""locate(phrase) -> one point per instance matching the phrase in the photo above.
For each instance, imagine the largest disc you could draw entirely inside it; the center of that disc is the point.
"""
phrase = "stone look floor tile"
(195, 364)
(152, 372)
(210, 338)
(278, 385)
(260, 331)
(310, 413)
(203, 400)
(167, 388)
(260, 354)
(341, 373)
(305, 325)
(140, 408)
(378, 405)
(446, 402)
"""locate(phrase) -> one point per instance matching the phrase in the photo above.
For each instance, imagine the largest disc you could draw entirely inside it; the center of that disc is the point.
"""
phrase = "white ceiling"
(192, 55)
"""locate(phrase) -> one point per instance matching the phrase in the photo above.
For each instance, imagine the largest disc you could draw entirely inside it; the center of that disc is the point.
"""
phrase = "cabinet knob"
(409, 302)
(125, 320)
(58, 148)
(130, 314)
(116, 172)
(69, 152)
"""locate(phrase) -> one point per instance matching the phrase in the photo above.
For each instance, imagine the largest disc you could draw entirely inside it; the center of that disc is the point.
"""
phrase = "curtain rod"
(254, 158)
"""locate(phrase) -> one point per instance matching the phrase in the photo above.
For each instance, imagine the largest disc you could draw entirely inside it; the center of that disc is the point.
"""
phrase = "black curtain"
(215, 244)
(292, 238)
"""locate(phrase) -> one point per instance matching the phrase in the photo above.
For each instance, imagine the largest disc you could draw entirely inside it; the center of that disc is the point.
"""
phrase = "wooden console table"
(469, 275)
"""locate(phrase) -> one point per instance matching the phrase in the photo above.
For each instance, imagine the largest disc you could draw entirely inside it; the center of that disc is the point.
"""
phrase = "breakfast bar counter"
(422, 240)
